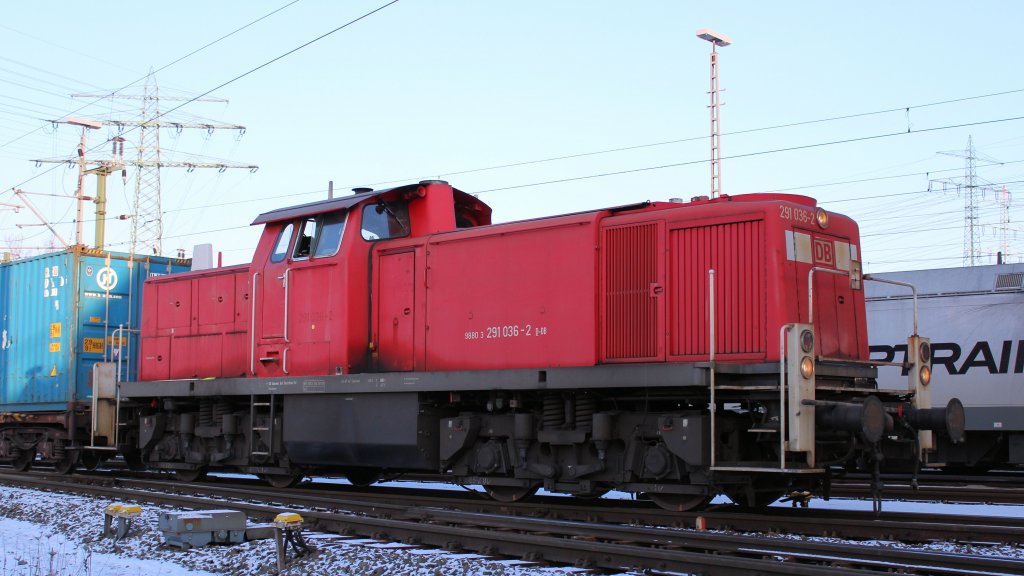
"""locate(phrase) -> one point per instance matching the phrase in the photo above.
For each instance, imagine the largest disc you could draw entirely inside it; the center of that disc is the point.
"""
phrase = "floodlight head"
(713, 37)
(84, 123)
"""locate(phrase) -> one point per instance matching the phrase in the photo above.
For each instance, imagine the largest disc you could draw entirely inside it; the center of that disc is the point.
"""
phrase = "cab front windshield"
(319, 236)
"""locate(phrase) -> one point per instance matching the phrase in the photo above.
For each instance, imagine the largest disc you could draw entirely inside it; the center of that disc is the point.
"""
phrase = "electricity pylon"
(147, 228)
(972, 192)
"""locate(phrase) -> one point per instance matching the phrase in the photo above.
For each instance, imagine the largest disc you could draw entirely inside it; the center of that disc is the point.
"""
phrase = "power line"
(696, 138)
(164, 67)
(222, 85)
(750, 154)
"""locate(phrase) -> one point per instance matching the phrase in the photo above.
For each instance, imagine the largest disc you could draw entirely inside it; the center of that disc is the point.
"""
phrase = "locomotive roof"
(342, 203)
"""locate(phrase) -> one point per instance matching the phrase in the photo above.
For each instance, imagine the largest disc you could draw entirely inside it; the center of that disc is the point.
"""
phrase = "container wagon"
(975, 317)
(62, 316)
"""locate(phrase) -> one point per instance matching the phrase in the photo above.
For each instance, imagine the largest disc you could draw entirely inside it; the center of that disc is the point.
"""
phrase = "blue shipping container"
(59, 313)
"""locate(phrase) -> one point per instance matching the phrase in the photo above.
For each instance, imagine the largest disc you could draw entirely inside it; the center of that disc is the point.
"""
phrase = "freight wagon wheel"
(511, 493)
(190, 475)
(283, 480)
(362, 477)
(66, 465)
(24, 460)
(679, 502)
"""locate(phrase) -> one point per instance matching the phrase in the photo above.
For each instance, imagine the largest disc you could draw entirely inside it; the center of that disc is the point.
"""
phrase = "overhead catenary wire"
(235, 79)
(704, 136)
(751, 154)
(164, 67)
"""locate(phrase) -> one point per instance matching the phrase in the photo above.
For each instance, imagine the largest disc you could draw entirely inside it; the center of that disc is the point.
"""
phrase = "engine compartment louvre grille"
(631, 311)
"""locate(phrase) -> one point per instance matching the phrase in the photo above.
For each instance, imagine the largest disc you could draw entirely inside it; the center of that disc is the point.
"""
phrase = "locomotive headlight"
(925, 374)
(807, 367)
(822, 218)
(925, 352)
(807, 341)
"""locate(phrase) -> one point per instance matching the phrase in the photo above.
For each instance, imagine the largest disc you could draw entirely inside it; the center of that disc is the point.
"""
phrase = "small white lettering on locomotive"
(506, 331)
(795, 214)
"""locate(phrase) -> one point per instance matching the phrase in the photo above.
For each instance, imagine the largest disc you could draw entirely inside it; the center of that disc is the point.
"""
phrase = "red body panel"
(613, 286)
(196, 325)
(512, 296)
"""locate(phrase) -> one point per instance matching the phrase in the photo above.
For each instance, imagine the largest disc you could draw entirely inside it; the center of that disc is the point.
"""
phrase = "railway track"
(1007, 488)
(604, 536)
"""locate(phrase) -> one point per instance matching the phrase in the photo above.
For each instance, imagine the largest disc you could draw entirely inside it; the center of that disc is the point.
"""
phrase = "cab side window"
(385, 220)
(283, 240)
(329, 240)
(304, 241)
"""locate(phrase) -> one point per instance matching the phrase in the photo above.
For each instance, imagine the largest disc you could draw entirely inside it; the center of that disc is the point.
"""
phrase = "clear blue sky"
(440, 88)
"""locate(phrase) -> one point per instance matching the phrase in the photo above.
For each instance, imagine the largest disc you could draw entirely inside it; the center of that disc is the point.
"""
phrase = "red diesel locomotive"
(679, 350)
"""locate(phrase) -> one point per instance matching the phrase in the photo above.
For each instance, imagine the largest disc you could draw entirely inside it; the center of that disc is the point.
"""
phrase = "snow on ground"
(52, 534)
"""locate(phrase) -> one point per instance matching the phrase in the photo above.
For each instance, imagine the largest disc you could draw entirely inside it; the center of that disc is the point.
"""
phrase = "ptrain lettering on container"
(997, 359)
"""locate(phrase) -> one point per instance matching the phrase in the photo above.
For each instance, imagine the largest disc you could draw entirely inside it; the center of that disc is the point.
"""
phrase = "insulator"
(554, 411)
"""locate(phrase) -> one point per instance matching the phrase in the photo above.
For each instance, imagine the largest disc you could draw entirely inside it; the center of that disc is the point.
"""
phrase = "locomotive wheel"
(283, 480)
(679, 502)
(511, 494)
(66, 465)
(362, 477)
(24, 460)
(190, 475)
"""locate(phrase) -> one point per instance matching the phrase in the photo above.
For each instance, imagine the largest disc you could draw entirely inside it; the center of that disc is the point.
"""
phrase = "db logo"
(106, 278)
(824, 252)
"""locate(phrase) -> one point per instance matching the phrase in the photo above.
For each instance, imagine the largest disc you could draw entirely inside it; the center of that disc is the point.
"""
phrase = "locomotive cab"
(311, 270)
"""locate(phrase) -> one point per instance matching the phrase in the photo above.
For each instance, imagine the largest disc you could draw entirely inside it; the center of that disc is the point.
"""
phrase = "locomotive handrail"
(711, 359)
(861, 362)
(810, 288)
(782, 394)
(284, 280)
(913, 290)
(115, 336)
(252, 327)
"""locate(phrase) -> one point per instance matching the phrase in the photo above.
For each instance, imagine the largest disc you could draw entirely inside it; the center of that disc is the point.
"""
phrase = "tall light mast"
(716, 40)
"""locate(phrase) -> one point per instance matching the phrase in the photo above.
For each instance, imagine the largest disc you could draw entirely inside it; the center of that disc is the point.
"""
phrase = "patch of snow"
(54, 534)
